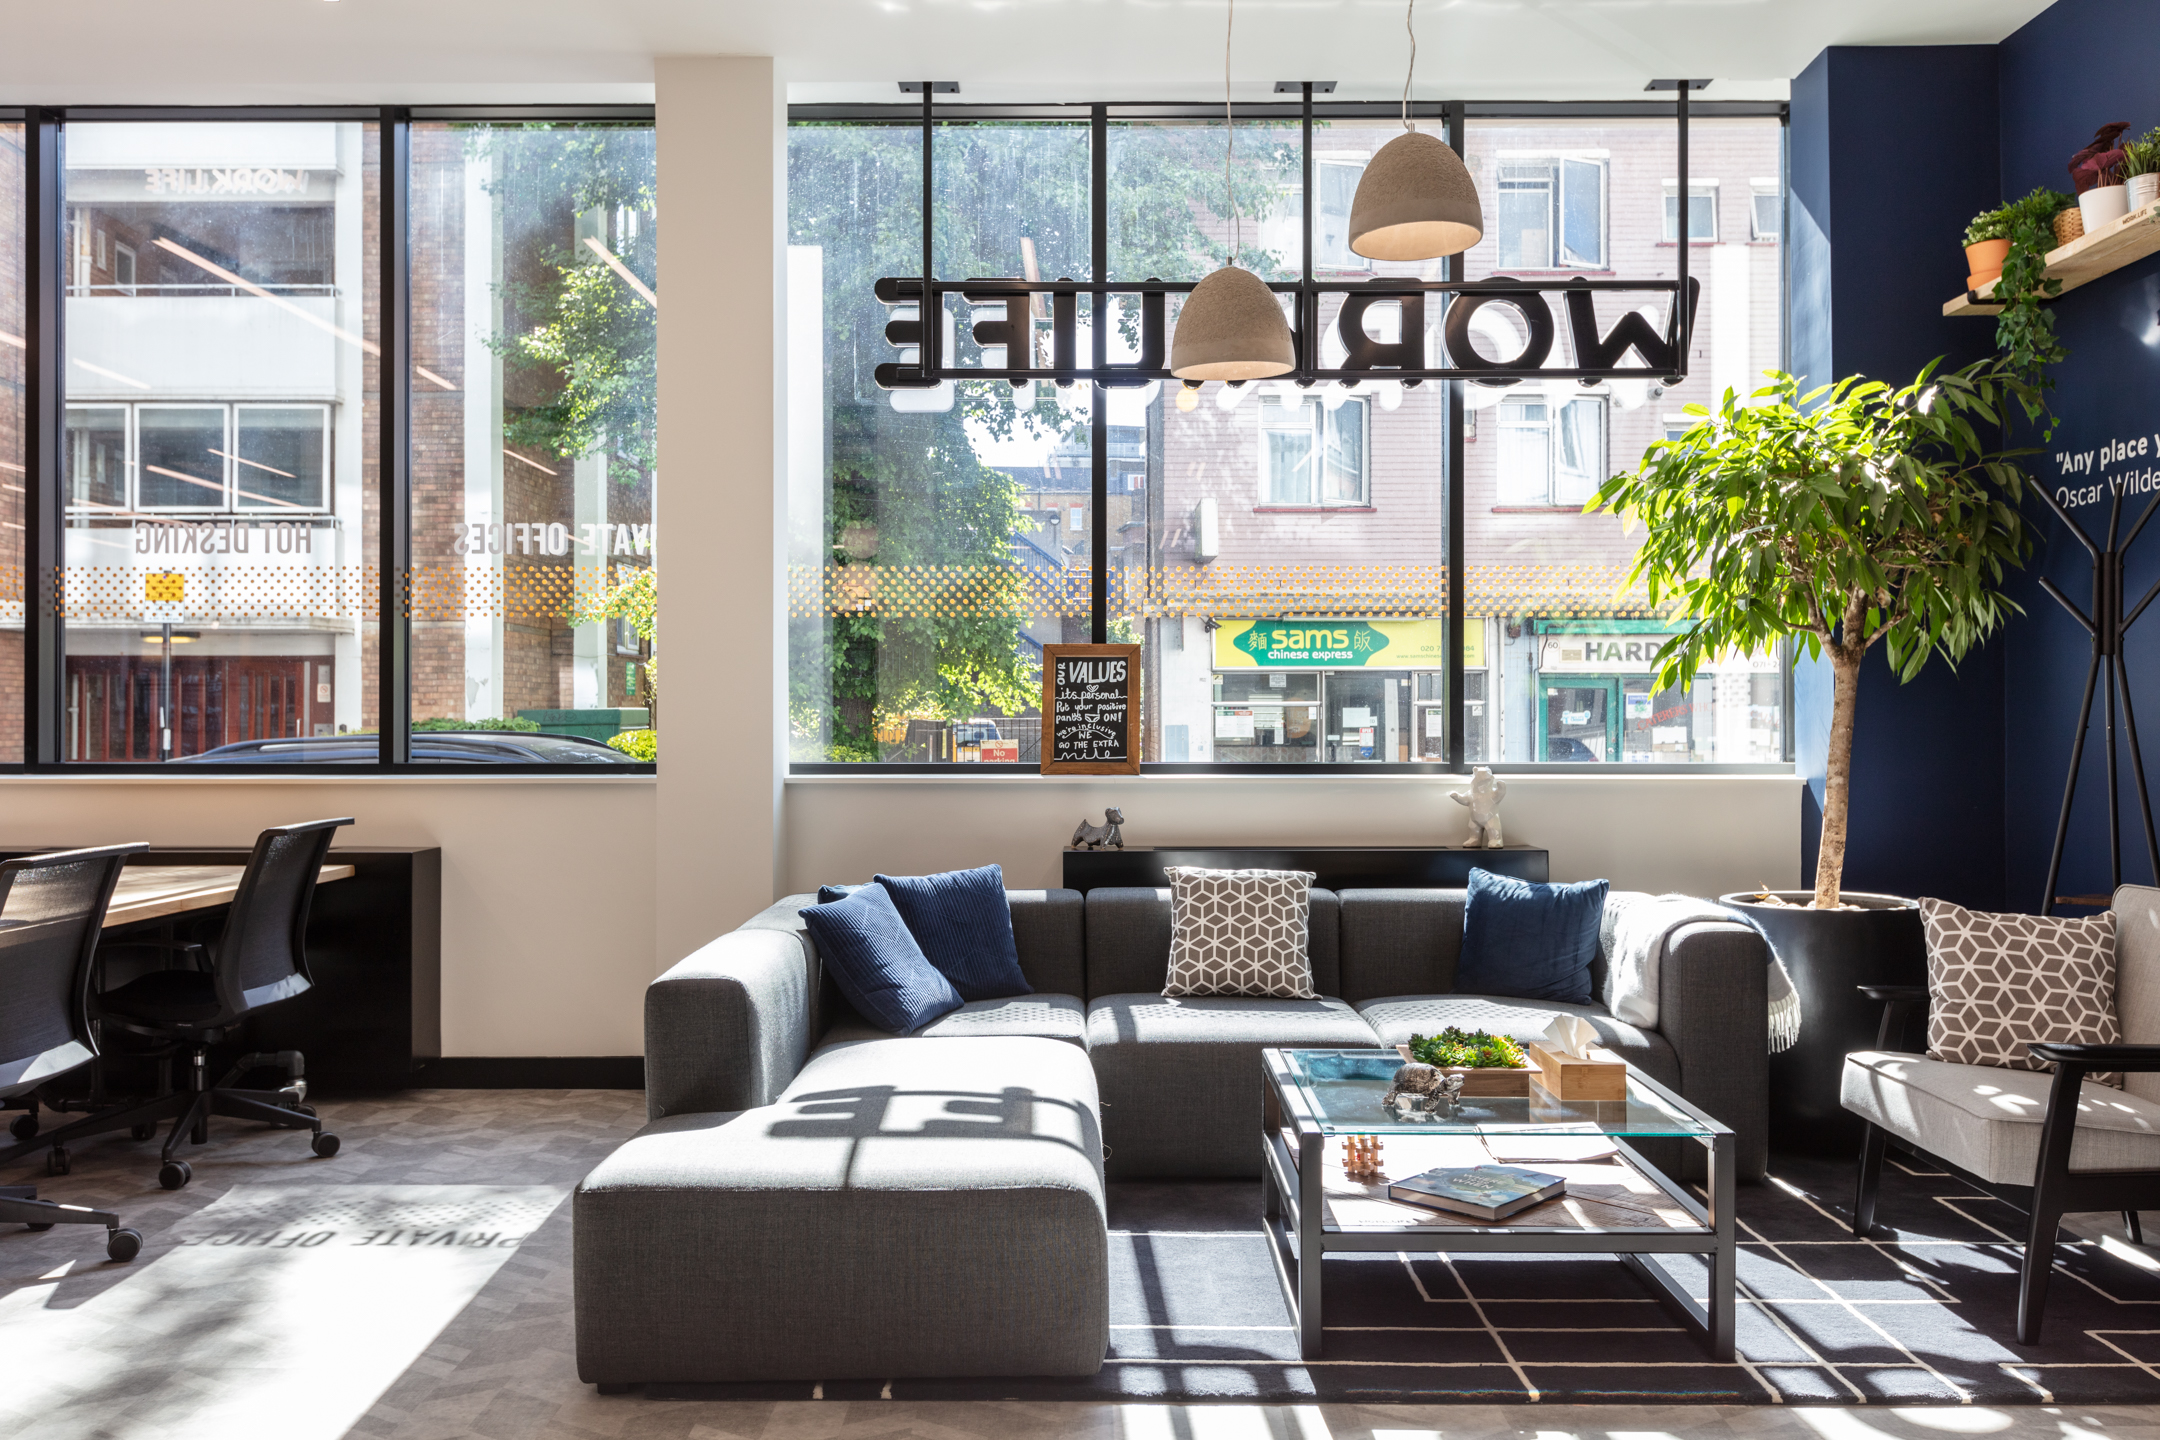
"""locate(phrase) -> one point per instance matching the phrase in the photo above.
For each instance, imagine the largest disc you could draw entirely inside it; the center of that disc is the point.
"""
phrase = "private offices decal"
(2121, 450)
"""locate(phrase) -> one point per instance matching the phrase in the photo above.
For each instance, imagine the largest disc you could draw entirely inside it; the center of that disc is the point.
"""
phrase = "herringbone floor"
(502, 1367)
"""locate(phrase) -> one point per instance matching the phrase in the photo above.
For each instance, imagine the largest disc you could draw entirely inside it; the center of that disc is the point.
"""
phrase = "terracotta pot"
(2103, 205)
(1985, 260)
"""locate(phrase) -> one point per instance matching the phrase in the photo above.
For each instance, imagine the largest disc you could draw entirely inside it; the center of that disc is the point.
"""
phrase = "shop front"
(1328, 691)
(1598, 701)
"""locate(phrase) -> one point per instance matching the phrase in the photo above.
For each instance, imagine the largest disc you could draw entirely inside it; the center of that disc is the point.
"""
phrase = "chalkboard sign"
(1089, 705)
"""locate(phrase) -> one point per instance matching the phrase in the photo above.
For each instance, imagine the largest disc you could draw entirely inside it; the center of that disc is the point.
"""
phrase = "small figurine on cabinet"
(1106, 836)
(1483, 798)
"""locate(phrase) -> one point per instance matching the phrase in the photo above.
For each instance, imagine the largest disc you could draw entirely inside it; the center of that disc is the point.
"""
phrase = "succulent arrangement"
(1468, 1049)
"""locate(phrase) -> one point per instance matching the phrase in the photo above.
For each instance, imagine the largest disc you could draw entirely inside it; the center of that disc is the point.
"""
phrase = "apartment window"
(1766, 213)
(1313, 455)
(1336, 177)
(1702, 210)
(1551, 213)
(197, 457)
(1552, 451)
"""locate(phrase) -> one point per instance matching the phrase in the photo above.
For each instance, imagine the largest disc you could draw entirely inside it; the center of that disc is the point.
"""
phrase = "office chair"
(51, 909)
(259, 959)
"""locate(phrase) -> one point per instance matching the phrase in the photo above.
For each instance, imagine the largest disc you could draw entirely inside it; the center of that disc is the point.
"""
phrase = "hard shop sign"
(1598, 654)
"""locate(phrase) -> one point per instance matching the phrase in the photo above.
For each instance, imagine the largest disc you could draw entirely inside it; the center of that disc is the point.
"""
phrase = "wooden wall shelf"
(2083, 260)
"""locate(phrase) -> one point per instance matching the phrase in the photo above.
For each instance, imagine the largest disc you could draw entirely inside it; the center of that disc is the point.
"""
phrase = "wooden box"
(1490, 1081)
(1572, 1077)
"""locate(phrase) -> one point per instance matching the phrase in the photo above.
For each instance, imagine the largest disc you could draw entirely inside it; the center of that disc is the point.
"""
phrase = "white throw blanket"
(1634, 932)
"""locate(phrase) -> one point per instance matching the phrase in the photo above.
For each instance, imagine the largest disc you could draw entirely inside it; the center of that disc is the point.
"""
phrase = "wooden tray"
(1572, 1077)
(1491, 1081)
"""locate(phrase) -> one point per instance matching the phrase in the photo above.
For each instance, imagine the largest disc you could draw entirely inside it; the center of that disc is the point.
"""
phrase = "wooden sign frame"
(1130, 765)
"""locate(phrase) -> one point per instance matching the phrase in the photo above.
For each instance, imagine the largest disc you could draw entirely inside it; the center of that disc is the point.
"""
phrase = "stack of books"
(1483, 1192)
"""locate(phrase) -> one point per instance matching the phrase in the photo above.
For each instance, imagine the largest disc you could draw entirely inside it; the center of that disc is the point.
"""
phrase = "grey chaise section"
(905, 1208)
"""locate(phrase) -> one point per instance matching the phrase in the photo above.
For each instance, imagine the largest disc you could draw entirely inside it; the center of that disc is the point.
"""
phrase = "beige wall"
(1700, 834)
(547, 903)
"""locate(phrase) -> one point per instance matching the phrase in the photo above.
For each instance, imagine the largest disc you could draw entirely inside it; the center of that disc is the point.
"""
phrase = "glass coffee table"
(1622, 1205)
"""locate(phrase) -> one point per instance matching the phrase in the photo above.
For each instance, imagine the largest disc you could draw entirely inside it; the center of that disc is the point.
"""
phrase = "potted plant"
(1987, 245)
(1854, 516)
(2141, 170)
(2096, 175)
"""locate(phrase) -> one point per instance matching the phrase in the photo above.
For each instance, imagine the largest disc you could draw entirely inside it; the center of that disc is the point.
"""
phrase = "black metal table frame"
(1293, 1200)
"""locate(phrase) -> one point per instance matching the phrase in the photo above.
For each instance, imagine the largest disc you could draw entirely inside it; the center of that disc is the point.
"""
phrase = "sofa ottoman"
(906, 1208)
(1182, 1090)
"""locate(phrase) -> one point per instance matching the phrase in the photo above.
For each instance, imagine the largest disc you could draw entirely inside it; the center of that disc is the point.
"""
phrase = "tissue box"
(1573, 1077)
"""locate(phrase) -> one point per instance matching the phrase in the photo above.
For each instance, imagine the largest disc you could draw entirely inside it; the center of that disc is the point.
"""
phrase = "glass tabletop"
(1342, 1091)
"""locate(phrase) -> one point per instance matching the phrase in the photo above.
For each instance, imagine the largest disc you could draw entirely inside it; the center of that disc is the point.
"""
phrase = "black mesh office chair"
(259, 959)
(51, 909)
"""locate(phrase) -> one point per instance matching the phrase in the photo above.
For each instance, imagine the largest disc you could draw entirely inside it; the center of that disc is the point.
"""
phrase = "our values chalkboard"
(1090, 710)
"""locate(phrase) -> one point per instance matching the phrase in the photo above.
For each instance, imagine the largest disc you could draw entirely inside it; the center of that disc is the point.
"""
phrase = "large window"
(228, 589)
(1279, 553)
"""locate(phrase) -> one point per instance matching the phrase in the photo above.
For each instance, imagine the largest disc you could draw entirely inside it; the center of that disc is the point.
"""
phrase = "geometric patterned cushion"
(1239, 932)
(1999, 982)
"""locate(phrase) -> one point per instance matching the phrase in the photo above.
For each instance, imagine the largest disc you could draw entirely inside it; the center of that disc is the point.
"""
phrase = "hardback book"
(1483, 1192)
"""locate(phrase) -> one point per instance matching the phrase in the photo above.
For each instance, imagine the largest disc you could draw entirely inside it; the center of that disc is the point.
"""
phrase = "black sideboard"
(1339, 867)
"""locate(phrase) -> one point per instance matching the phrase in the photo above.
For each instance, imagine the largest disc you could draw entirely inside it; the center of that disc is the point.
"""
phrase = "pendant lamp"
(1416, 200)
(1231, 327)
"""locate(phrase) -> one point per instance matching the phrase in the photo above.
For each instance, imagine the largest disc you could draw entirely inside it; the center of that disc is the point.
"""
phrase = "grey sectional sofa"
(815, 1198)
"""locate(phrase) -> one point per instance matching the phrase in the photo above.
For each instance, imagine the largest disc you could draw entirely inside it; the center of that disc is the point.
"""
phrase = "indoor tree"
(1854, 515)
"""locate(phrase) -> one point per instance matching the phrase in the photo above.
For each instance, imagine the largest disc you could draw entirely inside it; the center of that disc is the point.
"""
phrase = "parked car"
(434, 747)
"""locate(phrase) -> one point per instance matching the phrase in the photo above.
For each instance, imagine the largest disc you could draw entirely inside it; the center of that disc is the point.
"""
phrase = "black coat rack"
(2106, 626)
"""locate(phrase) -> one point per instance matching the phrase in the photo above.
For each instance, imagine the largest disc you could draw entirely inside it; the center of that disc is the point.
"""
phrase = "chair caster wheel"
(37, 1225)
(123, 1245)
(175, 1173)
(22, 1127)
(325, 1144)
(57, 1161)
(141, 1132)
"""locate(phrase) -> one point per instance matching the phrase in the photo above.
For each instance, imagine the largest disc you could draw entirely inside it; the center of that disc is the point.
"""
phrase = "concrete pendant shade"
(1231, 329)
(1416, 201)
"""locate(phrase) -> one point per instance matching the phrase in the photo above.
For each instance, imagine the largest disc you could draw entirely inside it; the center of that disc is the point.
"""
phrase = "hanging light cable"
(1416, 200)
(1231, 327)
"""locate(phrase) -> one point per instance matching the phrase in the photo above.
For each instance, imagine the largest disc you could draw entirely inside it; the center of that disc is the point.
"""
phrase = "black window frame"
(45, 400)
(1454, 116)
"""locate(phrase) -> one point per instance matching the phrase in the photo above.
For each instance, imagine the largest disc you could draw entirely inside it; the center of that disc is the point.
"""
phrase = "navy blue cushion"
(963, 923)
(826, 894)
(1532, 941)
(877, 964)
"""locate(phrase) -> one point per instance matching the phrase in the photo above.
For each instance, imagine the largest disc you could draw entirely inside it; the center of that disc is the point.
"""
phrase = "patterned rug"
(1921, 1314)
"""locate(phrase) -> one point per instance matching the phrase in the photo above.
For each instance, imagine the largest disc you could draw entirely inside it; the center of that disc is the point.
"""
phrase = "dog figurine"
(1106, 836)
(1483, 798)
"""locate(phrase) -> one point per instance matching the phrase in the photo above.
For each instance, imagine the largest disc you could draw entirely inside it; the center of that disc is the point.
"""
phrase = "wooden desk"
(150, 892)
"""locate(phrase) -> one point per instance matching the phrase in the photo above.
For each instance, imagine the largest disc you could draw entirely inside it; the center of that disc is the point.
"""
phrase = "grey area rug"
(1922, 1314)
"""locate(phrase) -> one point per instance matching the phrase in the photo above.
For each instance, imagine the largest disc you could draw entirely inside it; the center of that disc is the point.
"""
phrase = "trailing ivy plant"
(1851, 516)
(2025, 331)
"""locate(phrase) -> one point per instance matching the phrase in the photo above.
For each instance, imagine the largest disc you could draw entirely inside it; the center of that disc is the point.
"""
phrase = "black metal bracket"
(2106, 626)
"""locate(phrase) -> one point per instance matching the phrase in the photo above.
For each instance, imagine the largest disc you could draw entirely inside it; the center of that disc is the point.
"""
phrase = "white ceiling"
(361, 51)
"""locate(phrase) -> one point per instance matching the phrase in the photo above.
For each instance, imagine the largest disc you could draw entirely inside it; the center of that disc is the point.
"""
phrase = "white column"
(1731, 366)
(483, 438)
(720, 502)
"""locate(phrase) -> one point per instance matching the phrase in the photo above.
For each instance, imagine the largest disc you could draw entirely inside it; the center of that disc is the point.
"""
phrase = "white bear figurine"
(1483, 798)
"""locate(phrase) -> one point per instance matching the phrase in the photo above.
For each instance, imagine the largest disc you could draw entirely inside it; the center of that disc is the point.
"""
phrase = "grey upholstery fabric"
(1046, 928)
(827, 1004)
(1986, 1119)
(909, 1208)
(1400, 942)
(728, 1027)
(2137, 977)
(1714, 1010)
(1397, 1017)
(1181, 1085)
(1128, 941)
(1051, 1017)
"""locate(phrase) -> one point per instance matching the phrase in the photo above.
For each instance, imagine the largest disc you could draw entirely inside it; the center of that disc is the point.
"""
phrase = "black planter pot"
(1829, 953)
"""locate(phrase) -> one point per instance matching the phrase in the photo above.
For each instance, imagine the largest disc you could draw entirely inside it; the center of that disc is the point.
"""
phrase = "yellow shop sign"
(1338, 644)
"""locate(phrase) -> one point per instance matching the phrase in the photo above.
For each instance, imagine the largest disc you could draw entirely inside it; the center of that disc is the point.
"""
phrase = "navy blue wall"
(1875, 252)
(2078, 65)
